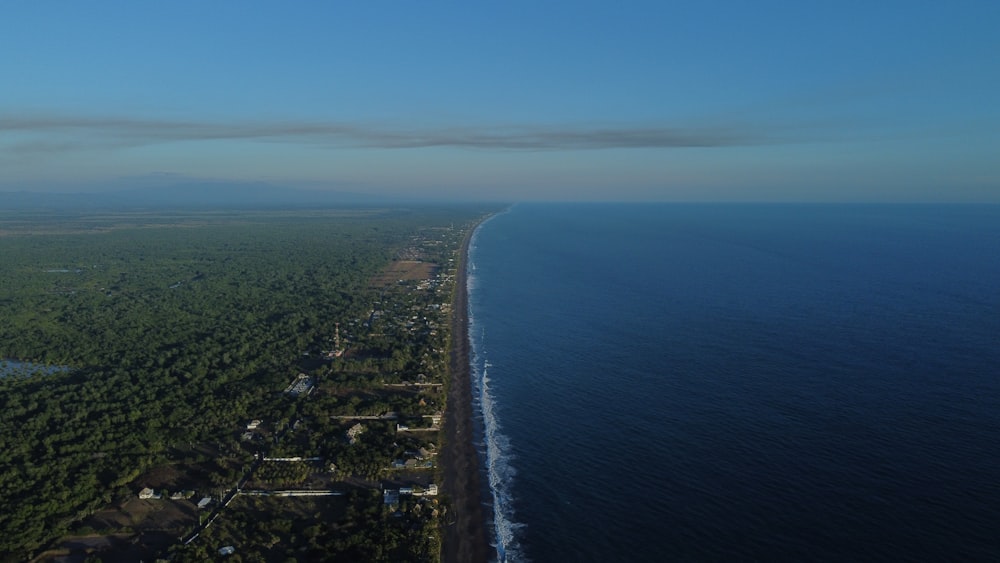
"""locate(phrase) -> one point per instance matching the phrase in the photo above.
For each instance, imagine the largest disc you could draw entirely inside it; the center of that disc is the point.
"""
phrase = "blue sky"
(685, 101)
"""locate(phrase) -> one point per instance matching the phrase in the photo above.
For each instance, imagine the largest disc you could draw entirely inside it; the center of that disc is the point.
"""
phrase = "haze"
(658, 101)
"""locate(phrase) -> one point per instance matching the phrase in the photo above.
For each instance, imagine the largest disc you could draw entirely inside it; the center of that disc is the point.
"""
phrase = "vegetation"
(177, 329)
(354, 527)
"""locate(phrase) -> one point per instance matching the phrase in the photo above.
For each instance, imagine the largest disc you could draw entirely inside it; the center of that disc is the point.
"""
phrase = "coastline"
(465, 539)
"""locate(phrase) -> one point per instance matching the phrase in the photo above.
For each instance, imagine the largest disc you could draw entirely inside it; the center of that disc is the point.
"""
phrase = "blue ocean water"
(740, 382)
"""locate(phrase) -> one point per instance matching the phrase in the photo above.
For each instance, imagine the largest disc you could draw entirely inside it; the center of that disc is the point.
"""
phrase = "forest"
(134, 340)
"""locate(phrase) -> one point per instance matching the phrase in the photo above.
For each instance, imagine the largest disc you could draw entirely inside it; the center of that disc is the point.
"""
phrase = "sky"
(515, 100)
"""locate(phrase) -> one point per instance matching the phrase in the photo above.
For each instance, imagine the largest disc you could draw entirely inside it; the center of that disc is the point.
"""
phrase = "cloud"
(60, 133)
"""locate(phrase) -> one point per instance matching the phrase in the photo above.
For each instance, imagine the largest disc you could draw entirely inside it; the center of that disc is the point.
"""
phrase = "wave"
(500, 472)
(497, 449)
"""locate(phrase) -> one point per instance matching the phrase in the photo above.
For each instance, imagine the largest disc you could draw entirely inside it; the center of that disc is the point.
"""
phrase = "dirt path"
(465, 540)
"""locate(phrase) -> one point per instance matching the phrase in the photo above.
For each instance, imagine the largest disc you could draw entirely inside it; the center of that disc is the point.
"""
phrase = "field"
(405, 270)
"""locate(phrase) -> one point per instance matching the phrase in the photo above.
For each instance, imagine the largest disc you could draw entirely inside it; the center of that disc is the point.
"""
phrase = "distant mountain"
(188, 195)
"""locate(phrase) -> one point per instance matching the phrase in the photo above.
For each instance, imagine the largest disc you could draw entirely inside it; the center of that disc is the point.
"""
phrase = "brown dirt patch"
(405, 270)
(182, 476)
(141, 514)
(113, 548)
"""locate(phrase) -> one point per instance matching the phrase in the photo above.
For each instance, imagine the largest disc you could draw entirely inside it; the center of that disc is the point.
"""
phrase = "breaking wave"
(496, 449)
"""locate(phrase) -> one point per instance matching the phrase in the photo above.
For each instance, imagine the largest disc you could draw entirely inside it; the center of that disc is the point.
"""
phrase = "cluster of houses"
(412, 463)
(416, 459)
(149, 494)
(252, 427)
(434, 427)
(391, 496)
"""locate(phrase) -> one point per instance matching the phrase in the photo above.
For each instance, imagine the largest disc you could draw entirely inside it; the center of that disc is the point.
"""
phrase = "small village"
(356, 424)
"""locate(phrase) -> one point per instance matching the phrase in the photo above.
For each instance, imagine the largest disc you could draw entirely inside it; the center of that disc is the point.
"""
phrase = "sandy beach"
(465, 538)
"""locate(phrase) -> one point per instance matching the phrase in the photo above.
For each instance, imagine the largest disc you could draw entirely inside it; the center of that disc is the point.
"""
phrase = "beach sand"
(465, 539)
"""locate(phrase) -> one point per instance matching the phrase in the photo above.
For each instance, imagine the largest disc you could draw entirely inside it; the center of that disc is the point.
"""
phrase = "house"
(204, 502)
(228, 550)
(147, 493)
(301, 385)
(254, 424)
(430, 491)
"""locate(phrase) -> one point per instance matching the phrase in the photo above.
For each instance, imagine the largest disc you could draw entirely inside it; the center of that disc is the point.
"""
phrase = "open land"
(291, 385)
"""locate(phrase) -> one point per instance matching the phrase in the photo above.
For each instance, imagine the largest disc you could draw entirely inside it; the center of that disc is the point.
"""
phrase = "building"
(301, 385)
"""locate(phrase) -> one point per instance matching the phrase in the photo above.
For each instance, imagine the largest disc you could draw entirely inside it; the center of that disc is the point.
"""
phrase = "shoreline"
(465, 538)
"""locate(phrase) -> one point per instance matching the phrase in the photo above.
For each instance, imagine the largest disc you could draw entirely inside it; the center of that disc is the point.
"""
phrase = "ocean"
(679, 382)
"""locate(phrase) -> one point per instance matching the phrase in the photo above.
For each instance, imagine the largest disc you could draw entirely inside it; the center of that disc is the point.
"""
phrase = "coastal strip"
(465, 539)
